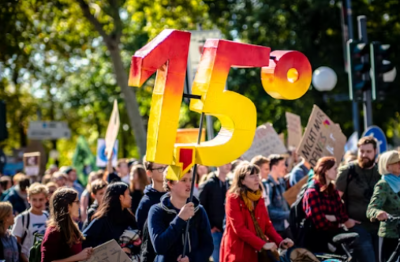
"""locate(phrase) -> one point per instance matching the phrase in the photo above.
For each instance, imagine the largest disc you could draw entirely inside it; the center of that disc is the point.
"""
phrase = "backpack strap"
(26, 226)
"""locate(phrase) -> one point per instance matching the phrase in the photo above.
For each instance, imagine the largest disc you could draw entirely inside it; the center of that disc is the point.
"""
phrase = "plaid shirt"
(317, 204)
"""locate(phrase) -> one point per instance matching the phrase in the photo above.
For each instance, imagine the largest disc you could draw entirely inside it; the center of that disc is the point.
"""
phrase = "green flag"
(83, 160)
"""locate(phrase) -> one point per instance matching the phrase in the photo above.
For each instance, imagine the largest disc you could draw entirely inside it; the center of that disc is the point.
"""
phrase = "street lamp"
(324, 79)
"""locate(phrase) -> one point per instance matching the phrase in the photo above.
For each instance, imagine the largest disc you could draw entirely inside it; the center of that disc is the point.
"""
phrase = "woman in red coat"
(249, 232)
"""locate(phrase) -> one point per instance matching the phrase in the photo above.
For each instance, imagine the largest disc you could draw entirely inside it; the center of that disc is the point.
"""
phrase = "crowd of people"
(239, 211)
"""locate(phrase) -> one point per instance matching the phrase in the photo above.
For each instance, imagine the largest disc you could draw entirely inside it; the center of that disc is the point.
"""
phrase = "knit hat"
(387, 158)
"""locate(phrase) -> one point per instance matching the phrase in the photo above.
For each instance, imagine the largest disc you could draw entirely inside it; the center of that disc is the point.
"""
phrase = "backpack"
(350, 176)
(35, 254)
(298, 223)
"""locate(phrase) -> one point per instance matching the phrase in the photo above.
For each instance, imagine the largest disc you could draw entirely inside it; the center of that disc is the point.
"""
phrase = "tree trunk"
(131, 104)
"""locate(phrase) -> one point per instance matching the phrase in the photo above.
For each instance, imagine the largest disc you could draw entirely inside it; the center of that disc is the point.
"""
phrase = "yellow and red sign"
(284, 75)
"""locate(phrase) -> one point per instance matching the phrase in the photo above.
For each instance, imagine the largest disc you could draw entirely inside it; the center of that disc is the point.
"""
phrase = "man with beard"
(355, 183)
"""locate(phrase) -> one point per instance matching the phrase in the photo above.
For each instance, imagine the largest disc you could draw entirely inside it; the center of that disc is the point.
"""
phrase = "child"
(98, 188)
(33, 220)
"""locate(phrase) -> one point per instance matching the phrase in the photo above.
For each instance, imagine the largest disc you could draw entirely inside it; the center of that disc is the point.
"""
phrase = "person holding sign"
(323, 207)
(62, 241)
(167, 222)
(249, 234)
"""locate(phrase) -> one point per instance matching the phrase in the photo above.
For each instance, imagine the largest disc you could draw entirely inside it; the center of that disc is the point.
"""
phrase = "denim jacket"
(278, 208)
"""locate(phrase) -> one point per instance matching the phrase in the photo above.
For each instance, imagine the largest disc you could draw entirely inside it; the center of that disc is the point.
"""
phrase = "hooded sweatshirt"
(151, 197)
(167, 232)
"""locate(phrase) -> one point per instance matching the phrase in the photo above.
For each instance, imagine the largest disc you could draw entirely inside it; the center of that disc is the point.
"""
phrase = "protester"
(123, 170)
(86, 198)
(249, 230)
(278, 208)
(385, 202)
(349, 157)
(263, 164)
(356, 183)
(5, 184)
(167, 223)
(51, 187)
(138, 182)
(72, 179)
(114, 220)
(98, 189)
(323, 207)
(9, 250)
(212, 195)
(152, 193)
(17, 195)
(60, 179)
(46, 179)
(63, 241)
(298, 172)
(201, 172)
(33, 220)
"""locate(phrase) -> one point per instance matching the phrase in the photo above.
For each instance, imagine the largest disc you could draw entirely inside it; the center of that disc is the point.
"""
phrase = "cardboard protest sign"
(266, 142)
(101, 158)
(32, 163)
(294, 130)
(109, 252)
(291, 194)
(189, 135)
(322, 137)
(112, 130)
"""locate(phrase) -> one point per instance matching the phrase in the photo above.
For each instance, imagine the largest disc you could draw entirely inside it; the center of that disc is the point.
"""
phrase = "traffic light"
(357, 57)
(3, 121)
(379, 66)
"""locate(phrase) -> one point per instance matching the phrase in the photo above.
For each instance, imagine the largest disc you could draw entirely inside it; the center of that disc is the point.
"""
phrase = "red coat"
(240, 242)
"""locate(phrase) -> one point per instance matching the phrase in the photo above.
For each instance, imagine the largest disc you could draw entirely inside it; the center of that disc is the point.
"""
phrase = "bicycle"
(396, 253)
(345, 240)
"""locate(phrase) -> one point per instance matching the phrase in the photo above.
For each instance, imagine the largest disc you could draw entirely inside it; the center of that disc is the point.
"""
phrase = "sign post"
(379, 136)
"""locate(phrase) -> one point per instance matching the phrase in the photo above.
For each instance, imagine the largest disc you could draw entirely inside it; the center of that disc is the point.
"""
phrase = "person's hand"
(331, 218)
(85, 254)
(126, 250)
(185, 259)
(270, 246)
(351, 223)
(215, 229)
(382, 216)
(287, 243)
(187, 211)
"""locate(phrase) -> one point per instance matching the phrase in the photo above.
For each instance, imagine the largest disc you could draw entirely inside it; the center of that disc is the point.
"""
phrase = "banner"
(322, 137)
(83, 160)
(32, 163)
(351, 144)
(294, 130)
(112, 129)
(101, 158)
(266, 142)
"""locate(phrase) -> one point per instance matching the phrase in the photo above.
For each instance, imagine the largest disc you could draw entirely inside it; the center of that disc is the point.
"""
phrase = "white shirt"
(37, 224)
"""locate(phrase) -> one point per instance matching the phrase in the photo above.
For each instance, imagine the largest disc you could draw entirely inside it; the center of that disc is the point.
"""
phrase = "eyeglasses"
(159, 169)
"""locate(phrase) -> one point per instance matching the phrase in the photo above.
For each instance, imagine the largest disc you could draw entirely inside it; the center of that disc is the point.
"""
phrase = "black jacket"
(150, 197)
(212, 198)
(91, 211)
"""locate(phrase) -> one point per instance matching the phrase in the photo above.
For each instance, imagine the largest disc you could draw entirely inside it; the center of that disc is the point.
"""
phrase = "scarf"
(393, 181)
(249, 198)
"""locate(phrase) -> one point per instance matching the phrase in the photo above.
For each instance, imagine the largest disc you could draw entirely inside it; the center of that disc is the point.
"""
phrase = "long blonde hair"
(243, 169)
(5, 210)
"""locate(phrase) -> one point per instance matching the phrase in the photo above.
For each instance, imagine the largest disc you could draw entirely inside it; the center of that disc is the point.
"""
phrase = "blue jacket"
(167, 232)
(19, 204)
(278, 208)
(150, 197)
(297, 173)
